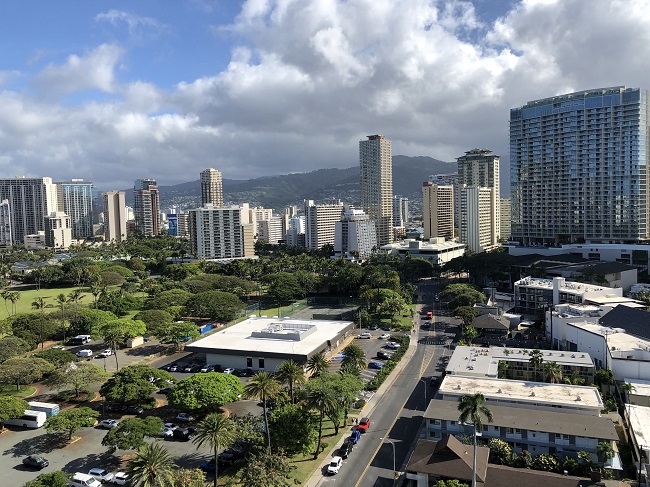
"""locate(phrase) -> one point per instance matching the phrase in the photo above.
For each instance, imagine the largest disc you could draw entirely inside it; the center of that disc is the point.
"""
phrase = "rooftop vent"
(532, 394)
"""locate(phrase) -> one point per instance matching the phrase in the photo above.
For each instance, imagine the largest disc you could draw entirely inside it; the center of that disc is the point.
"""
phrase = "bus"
(31, 419)
(49, 409)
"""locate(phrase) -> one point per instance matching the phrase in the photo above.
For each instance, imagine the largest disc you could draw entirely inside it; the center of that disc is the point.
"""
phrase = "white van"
(84, 353)
(31, 419)
(83, 480)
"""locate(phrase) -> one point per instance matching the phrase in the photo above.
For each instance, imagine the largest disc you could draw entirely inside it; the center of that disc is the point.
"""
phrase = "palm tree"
(553, 372)
(217, 432)
(354, 355)
(263, 386)
(471, 407)
(61, 301)
(574, 380)
(536, 360)
(75, 296)
(151, 466)
(503, 369)
(290, 373)
(39, 304)
(605, 451)
(321, 399)
(5, 295)
(95, 290)
(14, 297)
(317, 364)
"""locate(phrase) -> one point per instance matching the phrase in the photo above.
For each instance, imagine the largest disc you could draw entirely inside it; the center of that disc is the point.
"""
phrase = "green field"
(24, 304)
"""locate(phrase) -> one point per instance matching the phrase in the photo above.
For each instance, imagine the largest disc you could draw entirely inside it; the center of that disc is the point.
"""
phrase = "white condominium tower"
(211, 187)
(75, 199)
(218, 233)
(30, 201)
(320, 223)
(579, 168)
(376, 181)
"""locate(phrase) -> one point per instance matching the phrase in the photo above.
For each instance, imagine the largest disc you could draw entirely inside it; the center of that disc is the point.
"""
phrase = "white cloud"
(137, 25)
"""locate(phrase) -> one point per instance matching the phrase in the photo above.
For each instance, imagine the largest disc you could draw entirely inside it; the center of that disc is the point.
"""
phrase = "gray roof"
(635, 321)
(490, 322)
(523, 418)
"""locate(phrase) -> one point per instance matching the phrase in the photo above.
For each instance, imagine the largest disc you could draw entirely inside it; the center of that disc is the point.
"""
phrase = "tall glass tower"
(578, 166)
(75, 199)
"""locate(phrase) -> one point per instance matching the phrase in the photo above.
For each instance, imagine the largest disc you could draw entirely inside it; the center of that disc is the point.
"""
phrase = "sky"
(112, 91)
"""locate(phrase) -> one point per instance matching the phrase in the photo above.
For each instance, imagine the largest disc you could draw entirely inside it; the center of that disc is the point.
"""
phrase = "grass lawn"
(10, 390)
(24, 304)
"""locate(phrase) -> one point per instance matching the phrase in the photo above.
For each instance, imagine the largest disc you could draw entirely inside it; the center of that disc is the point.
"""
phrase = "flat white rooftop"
(418, 245)
(639, 424)
(273, 336)
(619, 342)
(575, 287)
(612, 300)
(641, 387)
(524, 393)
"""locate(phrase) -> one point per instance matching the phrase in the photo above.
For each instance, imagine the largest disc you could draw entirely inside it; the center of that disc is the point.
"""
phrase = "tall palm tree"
(322, 399)
(216, 431)
(75, 296)
(291, 374)
(14, 297)
(354, 355)
(472, 407)
(536, 360)
(61, 301)
(553, 372)
(151, 466)
(317, 364)
(39, 304)
(605, 451)
(263, 386)
(5, 295)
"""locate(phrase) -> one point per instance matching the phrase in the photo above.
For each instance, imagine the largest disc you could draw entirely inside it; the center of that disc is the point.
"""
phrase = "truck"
(50, 409)
(30, 419)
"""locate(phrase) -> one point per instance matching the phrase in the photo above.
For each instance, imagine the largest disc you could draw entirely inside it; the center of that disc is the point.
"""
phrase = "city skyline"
(265, 88)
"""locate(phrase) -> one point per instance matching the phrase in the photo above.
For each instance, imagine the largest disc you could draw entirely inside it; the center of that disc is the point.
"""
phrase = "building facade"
(436, 251)
(115, 216)
(355, 235)
(75, 199)
(438, 211)
(216, 232)
(478, 219)
(376, 183)
(58, 230)
(320, 223)
(400, 211)
(504, 216)
(5, 224)
(146, 207)
(578, 168)
(272, 230)
(211, 187)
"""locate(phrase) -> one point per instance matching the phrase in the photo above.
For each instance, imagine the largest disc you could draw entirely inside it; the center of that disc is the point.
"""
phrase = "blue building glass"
(172, 224)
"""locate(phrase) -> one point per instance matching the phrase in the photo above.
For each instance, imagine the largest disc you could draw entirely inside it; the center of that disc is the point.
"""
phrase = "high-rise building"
(376, 182)
(58, 230)
(505, 219)
(211, 187)
(437, 211)
(578, 168)
(449, 180)
(75, 199)
(172, 224)
(30, 200)
(320, 223)
(146, 207)
(355, 235)
(477, 222)
(115, 216)
(272, 231)
(183, 224)
(217, 232)
(5, 224)
(400, 211)
(480, 168)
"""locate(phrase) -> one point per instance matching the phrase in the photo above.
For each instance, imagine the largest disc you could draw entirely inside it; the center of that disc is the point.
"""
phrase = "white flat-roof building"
(436, 250)
(263, 343)
(638, 419)
(640, 394)
(532, 395)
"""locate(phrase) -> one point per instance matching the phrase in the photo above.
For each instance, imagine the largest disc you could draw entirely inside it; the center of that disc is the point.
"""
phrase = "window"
(249, 362)
(435, 422)
(261, 363)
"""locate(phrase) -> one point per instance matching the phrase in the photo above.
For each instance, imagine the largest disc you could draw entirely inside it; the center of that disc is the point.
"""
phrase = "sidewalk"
(317, 477)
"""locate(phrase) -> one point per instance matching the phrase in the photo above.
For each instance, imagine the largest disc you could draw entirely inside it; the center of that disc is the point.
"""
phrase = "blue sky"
(127, 89)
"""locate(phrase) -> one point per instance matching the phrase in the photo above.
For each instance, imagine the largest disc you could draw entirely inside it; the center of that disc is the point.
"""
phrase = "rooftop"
(410, 244)
(641, 387)
(635, 321)
(576, 287)
(639, 424)
(524, 393)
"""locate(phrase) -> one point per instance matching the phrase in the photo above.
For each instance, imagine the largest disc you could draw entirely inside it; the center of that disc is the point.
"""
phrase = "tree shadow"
(191, 460)
(145, 350)
(83, 464)
(41, 444)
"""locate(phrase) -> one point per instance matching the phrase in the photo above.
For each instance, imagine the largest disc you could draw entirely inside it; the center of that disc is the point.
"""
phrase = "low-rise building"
(436, 250)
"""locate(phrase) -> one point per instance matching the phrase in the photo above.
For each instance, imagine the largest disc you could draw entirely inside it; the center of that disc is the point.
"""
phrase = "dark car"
(373, 327)
(346, 448)
(134, 410)
(196, 368)
(433, 381)
(34, 461)
(184, 434)
(383, 355)
(120, 408)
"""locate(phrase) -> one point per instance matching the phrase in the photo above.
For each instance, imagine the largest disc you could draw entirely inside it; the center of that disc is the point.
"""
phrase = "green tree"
(293, 429)
(39, 304)
(321, 398)
(152, 466)
(266, 470)
(184, 477)
(604, 378)
(11, 407)
(131, 432)
(472, 408)
(466, 313)
(605, 451)
(263, 386)
(553, 372)
(172, 297)
(216, 305)
(546, 462)
(11, 346)
(53, 479)
(135, 384)
(536, 359)
(355, 356)
(154, 319)
(469, 333)
(626, 388)
(21, 371)
(216, 432)
(205, 392)
(116, 332)
(78, 376)
(317, 364)
(284, 287)
(291, 374)
(56, 356)
(177, 332)
(71, 420)
(500, 451)
(450, 483)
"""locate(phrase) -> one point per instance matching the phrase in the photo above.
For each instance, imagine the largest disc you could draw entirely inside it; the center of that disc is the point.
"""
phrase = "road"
(397, 417)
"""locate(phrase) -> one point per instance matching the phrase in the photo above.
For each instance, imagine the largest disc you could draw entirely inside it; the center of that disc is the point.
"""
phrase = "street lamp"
(424, 381)
(641, 459)
(394, 466)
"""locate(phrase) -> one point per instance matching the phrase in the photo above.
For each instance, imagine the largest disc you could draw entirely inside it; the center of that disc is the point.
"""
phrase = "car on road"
(384, 355)
(228, 370)
(346, 448)
(364, 424)
(384, 336)
(375, 365)
(355, 437)
(207, 368)
(106, 353)
(108, 423)
(335, 465)
(433, 381)
(365, 335)
(35, 461)
(101, 474)
(134, 410)
(184, 417)
(121, 478)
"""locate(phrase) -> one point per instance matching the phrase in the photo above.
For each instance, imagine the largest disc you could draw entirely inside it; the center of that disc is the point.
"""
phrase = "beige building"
(58, 230)
(480, 168)
(504, 216)
(376, 183)
(146, 207)
(477, 219)
(438, 211)
(211, 187)
(272, 230)
(320, 223)
(114, 216)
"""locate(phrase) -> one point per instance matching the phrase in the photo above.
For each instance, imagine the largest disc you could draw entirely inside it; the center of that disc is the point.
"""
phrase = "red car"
(364, 424)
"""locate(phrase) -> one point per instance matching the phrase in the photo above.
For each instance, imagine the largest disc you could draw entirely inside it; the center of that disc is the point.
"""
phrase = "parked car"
(184, 434)
(184, 417)
(364, 424)
(188, 367)
(392, 345)
(373, 327)
(106, 353)
(346, 448)
(335, 465)
(355, 437)
(101, 474)
(207, 368)
(134, 410)
(228, 370)
(384, 355)
(83, 480)
(35, 461)
(174, 367)
(168, 366)
(384, 336)
(86, 352)
(196, 368)
(365, 335)
(375, 365)
(108, 423)
(120, 478)
(433, 381)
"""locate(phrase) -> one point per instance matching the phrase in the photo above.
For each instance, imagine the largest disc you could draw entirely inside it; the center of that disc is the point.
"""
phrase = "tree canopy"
(135, 384)
(216, 305)
(71, 420)
(12, 407)
(21, 371)
(205, 392)
(131, 432)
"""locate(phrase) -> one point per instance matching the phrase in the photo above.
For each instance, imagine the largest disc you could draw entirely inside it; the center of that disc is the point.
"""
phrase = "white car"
(384, 336)
(228, 370)
(83, 480)
(393, 345)
(335, 465)
(84, 353)
(120, 478)
(101, 474)
(108, 423)
(106, 353)
(365, 335)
